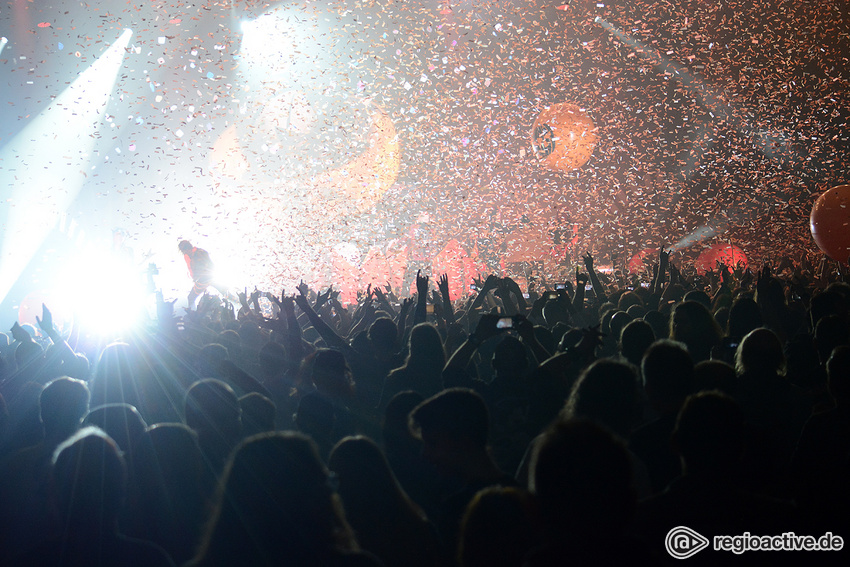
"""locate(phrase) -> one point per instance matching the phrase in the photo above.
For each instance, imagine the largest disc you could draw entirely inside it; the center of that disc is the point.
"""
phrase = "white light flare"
(43, 168)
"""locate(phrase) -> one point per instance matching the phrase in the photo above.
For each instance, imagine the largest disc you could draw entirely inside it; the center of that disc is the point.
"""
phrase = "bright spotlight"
(270, 42)
(106, 292)
(3, 42)
(44, 165)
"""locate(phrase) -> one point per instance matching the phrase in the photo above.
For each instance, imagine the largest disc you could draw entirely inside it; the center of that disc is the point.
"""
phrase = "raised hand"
(255, 296)
(443, 285)
(486, 327)
(421, 284)
(581, 278)
(663, 257)
(302, 302)
(243, 297)
(322, 298)
(725, 274)
(274, 299)
(491, 282)
(46, 321)
(524, 327)
(333, 295)
(588, 261)
(302, 288)
(287, 304)
(674, 273)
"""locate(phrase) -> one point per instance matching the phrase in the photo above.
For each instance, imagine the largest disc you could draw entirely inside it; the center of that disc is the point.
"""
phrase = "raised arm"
(448, 311)
(598, 290)
(331, 338)
(485, 329)
(421, 312)
(66, 353)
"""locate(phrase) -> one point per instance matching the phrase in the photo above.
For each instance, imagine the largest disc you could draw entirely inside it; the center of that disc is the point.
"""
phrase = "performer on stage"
(201, 270)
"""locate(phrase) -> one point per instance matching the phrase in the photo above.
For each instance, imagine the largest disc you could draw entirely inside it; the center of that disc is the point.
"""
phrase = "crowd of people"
(569, 426)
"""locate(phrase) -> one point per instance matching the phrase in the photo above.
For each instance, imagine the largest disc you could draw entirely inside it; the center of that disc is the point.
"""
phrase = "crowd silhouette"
(572, 424)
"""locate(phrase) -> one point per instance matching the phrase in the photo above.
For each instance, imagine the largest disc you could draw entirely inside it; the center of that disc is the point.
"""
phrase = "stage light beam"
(44, 166)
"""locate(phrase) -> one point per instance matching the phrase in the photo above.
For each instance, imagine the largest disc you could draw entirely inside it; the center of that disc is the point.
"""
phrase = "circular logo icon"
(683, 542)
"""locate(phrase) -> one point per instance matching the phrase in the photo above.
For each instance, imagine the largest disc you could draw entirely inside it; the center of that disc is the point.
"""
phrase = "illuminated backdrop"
(311, 139)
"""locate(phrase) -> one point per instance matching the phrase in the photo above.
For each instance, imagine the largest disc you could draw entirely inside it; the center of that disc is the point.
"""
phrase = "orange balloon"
(563, 137)
(830, 223)
(724, 252)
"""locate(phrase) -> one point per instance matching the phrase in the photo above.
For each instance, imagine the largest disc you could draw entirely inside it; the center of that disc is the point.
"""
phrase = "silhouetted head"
(210, 358)
(694, 325)
(426, 346)
(709, 433)
(212, 409)
(828, 302)
(331, 374)
(635, 339)
(714, 375)
(668, 374)
(230, 340)
(555, 312)
(760, 352)
(89, 480)
(168, 457)
(627, 300)
(276, 506)
(28, 352)
(122, 422)
(607, 393)
(699, 296)
(509, 357)
(659, 323)
(63, 404)
(258, 414)
(500, 526)
(274, 360)
(744, 316)
(582, 476)
(692, 321)
(185, 246)
(116, 376)
(453, 425)
(383, 334)
(367, 485)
